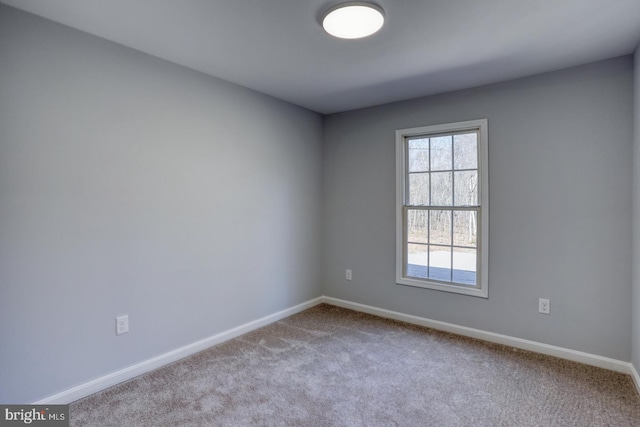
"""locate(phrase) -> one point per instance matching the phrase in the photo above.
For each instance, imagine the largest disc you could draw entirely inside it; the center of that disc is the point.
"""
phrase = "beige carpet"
(329, 366)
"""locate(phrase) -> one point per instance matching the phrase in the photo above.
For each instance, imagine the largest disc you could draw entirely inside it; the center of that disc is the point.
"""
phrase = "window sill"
(456, 289)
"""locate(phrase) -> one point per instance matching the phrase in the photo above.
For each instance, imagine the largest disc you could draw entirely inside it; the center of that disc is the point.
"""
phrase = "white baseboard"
(636, 378)
(98, 384)
(551, 350)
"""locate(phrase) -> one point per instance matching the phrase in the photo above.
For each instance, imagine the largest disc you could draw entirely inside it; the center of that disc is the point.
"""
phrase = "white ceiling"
(427, 46)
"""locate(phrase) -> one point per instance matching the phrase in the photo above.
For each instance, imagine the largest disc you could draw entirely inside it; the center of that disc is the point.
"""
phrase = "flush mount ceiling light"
(353, 20)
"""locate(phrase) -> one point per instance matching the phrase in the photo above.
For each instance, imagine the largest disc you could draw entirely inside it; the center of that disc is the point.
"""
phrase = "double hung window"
(442, 207)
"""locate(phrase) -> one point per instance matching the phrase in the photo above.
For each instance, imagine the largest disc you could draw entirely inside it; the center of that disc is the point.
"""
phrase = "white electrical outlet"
(122, 324)
(348, 274)
(544, 306)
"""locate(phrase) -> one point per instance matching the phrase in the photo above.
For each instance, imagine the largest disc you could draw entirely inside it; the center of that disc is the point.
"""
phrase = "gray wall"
(560, 163)
(636, 213)
(132, 185)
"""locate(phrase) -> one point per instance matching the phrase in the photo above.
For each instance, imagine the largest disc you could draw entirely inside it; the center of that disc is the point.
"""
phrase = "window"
(443, 207)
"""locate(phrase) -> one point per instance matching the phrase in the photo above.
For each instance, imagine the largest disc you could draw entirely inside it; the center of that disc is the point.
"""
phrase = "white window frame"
(482, 251)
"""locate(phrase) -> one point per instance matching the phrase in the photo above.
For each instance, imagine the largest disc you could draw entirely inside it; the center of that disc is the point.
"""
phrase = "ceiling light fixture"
(353, 20)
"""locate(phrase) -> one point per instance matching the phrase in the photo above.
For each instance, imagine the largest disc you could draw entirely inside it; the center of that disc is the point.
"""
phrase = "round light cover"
(353, 20)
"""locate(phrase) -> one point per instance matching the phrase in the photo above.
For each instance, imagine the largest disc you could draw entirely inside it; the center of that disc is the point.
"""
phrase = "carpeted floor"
(329, 366)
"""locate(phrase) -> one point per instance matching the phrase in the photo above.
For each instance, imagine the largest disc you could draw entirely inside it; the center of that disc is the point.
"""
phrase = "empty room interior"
(208, 186)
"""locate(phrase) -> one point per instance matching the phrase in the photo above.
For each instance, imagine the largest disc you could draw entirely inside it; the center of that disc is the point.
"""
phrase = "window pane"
(464, 266)
(465, 228)
(419, 189)
(466, 185)
(440, 263)
(441, 189)
(417, 261)
(441, 153)
(465, 151)
(417, 226)
(440, 227)
(418, 155)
